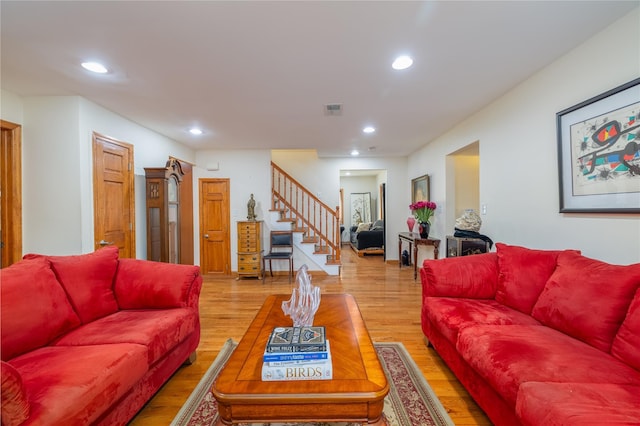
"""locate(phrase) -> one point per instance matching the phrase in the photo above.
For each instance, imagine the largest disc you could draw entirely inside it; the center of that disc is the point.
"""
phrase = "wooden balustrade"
(319, 223)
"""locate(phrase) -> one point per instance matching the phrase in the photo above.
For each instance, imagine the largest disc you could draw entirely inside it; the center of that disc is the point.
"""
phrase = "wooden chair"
(281, 249)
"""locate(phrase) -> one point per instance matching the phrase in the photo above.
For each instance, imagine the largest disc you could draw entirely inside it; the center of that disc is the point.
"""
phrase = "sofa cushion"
(81, 382)
(578, 404)
(378, 225)
(88, 280)
(587, 299)
(523, 273)
(450, 315)
(626, 344)
(507, 356)
(14, 404)
(35, 309)
(468, 277)
(364, 226)
(158, 330)
(142, 284)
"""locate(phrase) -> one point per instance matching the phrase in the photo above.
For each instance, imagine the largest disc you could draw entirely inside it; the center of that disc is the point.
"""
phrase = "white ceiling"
(256, 74)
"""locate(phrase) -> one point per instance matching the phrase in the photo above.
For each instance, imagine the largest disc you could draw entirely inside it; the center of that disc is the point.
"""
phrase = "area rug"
(410, 401)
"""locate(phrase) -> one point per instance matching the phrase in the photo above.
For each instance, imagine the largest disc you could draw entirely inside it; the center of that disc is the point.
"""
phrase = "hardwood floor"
(389, 300)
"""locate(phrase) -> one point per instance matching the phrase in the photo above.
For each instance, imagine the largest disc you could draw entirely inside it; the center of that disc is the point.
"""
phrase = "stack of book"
(297, 353)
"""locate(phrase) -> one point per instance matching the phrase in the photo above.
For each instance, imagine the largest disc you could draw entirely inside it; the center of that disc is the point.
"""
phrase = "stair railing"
(319, 222)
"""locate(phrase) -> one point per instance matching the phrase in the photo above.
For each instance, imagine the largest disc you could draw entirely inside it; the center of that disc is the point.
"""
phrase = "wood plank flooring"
(389, 300)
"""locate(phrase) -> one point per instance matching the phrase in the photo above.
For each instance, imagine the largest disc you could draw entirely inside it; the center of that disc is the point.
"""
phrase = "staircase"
(316, 227)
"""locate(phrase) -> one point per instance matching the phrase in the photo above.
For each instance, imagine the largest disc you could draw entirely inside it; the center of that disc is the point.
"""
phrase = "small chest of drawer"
(249, 249)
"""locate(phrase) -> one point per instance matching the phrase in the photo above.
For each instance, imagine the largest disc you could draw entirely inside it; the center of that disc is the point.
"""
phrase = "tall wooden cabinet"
(163, 212)
(250, 249)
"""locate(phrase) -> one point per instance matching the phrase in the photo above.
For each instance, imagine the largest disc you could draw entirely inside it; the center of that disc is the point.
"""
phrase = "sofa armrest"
(143, 284)
(15, 405)
(473, 277)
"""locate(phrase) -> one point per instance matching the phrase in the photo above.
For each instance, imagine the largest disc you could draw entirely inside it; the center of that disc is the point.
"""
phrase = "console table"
(414, 240)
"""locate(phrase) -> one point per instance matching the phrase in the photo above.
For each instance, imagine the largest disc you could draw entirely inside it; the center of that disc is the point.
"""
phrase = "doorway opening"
(363, 202)
(463, 182)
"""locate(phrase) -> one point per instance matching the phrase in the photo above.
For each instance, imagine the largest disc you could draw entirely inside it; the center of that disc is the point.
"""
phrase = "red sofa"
(89, 339)
(538, 337)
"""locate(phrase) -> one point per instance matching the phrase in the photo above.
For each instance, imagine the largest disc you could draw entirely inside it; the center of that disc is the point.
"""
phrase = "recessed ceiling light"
(195, 131)
(369, 129)
(355, 152)
(95, 67)
(402, 62)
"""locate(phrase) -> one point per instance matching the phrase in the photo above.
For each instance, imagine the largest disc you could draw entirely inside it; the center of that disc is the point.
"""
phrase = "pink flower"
(423, 210)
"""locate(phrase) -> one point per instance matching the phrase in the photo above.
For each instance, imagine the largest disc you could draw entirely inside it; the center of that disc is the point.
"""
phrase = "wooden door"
(10, 193)
(215, 234)
(113, 195)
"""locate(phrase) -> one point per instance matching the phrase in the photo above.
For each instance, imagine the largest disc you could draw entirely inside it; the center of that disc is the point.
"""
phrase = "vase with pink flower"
(423, 212)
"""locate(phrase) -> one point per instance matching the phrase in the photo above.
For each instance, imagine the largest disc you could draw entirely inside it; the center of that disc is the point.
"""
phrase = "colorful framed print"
(599, 153)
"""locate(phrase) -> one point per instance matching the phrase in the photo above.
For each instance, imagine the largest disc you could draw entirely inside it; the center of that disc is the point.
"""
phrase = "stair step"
(287, 219)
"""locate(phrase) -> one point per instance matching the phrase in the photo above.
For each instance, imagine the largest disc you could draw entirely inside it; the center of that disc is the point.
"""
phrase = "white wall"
(518, 160)
(249, 172)
(11, 107)
(57, 168)
(51, 203)
(359, 184)
(150, 149)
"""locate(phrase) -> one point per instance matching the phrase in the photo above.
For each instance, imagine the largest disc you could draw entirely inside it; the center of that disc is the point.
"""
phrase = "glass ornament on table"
(304, 301)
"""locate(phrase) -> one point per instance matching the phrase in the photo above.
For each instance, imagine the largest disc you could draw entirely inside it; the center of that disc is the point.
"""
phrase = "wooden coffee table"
(356, 392)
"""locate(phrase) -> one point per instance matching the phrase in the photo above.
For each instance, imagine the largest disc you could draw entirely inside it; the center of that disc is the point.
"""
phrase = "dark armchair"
(368, 240)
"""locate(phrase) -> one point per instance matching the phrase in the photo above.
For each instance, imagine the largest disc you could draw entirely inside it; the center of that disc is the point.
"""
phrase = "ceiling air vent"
(333, 109)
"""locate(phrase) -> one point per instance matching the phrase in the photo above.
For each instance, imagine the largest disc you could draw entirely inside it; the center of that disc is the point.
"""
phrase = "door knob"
(206, 235)
(105, 243)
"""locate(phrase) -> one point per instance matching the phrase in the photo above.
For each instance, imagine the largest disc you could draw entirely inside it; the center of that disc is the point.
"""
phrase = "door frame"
(131, 190)
(11, 189)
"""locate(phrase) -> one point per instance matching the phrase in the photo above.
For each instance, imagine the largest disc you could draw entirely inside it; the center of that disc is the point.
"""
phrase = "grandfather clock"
(163, 212)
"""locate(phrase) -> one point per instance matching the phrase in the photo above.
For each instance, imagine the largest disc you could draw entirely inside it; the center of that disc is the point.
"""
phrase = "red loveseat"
(89, 339)
(538, 337)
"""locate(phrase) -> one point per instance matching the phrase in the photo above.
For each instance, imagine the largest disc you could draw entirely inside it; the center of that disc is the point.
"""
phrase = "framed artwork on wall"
(360, 208)
(599, 153)
(420, 189)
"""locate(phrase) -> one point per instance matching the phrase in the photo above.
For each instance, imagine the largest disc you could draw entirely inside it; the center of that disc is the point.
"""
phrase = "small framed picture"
(420, 189)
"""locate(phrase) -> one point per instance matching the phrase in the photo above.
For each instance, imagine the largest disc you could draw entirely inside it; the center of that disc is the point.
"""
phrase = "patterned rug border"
(432, 404)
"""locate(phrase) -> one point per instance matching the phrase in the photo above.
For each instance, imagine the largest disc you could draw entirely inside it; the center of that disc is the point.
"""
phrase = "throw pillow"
(471, 277)
(14, 403)
(88, 279)
(626, 345)
(141, 284)
(587, 298)
(35, 309)
(364, 226)
(523, 273)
